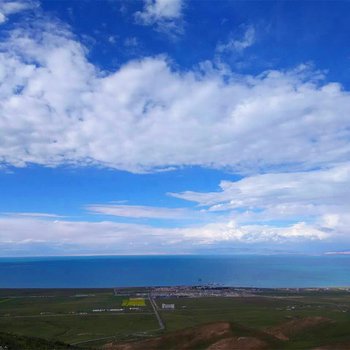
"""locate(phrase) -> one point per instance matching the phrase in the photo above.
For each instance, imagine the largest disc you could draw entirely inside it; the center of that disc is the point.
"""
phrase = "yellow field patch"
(134, 302)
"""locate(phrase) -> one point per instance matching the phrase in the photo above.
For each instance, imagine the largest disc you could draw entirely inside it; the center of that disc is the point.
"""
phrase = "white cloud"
(34, 215)
(321, 197)
(148, 116)
(230, 231)
(2, 18)
(20, 234)
(327, 187)
(165, 15)
(57, 108)
(235, 44)
(94, 236)
(138, 211)
(157, 10)
(11, 7)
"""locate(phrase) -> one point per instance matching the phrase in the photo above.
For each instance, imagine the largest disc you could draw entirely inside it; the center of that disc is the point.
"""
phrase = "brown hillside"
(288, 329)
(345, 346)
(226, 336)
(239, 343)
(184, 339)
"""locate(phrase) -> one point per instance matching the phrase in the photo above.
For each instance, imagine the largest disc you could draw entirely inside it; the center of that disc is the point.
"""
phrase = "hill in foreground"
(213, 336)
(229, 336)
(10, 341)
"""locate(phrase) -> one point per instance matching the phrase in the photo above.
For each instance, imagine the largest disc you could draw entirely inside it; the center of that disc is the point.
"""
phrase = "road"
(155, 309)
(154, 306)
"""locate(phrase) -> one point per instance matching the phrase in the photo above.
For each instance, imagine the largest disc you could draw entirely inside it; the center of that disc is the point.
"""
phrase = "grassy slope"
(261, 313)
(17, 342)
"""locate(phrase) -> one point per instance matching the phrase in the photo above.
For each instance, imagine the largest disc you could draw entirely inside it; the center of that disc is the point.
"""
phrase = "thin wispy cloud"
(237, 44)
(8, 8)
(138, 211)
(33, 215)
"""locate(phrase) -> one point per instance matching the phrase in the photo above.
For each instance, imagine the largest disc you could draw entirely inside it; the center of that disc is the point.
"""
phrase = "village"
(214, 291)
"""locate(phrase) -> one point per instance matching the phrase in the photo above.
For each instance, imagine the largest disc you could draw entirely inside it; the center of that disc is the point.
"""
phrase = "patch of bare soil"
(285, 330)
(189, 338)
(239, 343)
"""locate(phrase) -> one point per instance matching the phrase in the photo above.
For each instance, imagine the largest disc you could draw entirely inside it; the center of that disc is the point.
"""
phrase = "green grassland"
(56, 305)
(69, 316)
(263, 312)
(74, 303)
(53, 292)
(77, 329)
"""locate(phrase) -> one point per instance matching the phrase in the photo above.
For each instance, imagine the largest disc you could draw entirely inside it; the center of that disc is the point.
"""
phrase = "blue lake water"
(243, 271)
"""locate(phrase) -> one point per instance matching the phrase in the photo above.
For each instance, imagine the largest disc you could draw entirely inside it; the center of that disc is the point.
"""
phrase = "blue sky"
(174, 127)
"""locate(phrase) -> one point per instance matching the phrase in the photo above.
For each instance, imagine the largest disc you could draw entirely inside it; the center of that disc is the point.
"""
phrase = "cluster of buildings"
(195, 292)
(107, 310)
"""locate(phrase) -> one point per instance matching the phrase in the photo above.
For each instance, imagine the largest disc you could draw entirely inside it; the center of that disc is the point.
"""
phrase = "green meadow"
(72, 317)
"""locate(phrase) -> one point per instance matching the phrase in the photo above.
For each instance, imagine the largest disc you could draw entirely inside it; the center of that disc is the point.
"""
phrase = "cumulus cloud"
(8, 8)
(148, 116)
(230, 231)
(165, 15)
(159, 9)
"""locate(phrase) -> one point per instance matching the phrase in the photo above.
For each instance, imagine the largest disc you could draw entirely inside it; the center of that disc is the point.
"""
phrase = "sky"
(174, 127)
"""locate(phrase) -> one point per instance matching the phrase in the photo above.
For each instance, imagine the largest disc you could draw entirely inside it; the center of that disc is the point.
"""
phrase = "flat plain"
(306, 319)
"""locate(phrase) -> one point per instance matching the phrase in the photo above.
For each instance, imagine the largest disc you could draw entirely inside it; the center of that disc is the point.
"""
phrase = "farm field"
(134, 302)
